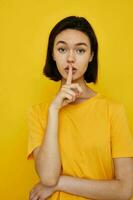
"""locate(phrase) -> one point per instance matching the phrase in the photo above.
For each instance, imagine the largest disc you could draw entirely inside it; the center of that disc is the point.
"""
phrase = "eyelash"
(83, 50)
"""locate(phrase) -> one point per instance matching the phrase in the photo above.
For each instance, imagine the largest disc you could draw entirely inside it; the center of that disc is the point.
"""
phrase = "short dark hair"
(78, 23)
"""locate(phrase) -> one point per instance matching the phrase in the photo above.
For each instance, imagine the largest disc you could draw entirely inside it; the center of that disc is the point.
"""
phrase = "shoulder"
(113, 103)
(38, 109)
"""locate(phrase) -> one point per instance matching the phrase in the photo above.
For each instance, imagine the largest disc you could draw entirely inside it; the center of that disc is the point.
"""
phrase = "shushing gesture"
(68, 93)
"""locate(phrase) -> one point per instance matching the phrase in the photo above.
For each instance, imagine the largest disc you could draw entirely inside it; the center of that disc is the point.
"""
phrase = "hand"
(41, 192)
(68, 92)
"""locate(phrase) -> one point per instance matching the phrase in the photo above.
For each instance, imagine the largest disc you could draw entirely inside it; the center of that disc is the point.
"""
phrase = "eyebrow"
(77, 44)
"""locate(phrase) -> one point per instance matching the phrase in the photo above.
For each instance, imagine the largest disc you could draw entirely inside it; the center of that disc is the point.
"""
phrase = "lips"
(73, 71)
(73, 68)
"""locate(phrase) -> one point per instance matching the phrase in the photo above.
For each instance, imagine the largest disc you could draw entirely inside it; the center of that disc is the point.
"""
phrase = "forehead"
(72, 37)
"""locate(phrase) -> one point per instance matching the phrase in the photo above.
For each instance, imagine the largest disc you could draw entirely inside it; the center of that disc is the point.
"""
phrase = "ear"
(92, 54)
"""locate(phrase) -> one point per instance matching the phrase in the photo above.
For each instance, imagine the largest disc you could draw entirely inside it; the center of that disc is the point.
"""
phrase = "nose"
(70, 57)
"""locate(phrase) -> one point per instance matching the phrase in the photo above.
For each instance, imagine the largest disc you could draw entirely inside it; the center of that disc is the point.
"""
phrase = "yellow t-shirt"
(91, 133)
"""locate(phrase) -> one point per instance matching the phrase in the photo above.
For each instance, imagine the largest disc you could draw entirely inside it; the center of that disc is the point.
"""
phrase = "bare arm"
(47, 157)
(94, 189)
(121, 188)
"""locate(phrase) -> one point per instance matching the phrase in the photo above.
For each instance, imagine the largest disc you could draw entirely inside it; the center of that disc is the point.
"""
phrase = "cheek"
(59, 59)
(82, 62)
(60, 63)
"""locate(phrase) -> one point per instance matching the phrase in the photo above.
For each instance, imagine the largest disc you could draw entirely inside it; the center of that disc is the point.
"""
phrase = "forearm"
(48, 162)
(95, 189)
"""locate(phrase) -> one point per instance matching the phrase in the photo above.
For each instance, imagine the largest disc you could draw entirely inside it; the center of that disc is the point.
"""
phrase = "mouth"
(73, 70)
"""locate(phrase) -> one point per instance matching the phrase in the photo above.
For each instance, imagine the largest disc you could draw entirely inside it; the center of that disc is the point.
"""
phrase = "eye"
(81, 51)
(61, 49)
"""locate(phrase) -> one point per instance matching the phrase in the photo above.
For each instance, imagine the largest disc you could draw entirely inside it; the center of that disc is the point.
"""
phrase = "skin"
(119, 188)
(71, 57)
(39, 190)
(69, 53)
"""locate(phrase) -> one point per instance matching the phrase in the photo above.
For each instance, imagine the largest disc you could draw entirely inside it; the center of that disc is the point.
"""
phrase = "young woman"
(80, 140)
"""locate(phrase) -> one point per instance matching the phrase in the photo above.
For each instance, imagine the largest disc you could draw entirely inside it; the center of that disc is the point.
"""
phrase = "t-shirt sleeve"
(121, 136)
(35, 130)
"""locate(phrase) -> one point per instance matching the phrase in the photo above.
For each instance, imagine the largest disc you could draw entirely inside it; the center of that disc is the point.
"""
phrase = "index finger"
(69, 77)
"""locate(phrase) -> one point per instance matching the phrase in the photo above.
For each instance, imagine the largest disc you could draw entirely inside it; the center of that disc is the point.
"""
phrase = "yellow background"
(25, 26)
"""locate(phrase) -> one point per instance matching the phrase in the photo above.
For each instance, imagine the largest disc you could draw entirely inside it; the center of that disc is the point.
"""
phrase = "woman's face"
(72, 48)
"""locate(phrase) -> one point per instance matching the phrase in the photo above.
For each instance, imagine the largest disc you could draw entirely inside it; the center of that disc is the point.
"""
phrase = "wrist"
(53, 108)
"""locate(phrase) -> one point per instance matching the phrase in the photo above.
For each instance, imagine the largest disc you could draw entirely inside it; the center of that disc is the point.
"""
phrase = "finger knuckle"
(71, 98)
(80, 89)
(74, 94)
